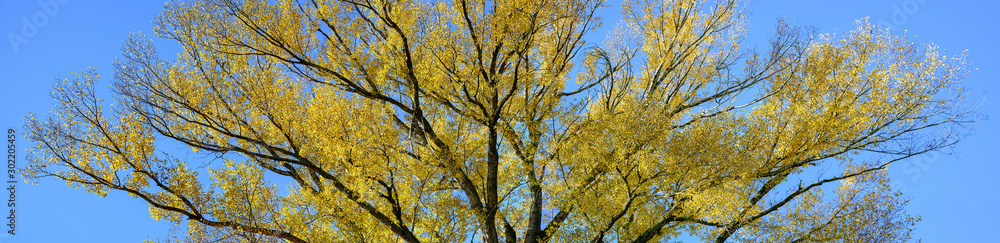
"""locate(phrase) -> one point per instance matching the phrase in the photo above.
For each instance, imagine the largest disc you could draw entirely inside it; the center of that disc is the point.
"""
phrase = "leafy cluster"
(451, 121)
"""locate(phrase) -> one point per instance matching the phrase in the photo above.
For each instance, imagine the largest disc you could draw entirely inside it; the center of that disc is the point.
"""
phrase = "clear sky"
(956, 193)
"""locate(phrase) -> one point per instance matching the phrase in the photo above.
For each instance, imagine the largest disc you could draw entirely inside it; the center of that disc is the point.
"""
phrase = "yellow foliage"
(451, 121)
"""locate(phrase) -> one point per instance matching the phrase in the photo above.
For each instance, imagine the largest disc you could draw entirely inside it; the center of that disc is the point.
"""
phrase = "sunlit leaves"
(453, 121)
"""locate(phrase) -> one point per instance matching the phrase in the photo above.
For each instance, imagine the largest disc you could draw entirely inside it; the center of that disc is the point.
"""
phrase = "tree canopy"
(503, 121)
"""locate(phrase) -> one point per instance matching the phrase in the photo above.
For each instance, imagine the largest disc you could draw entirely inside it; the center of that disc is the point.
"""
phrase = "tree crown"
(447, 121)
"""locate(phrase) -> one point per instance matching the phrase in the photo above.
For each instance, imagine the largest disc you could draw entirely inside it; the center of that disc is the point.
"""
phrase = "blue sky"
(956, 193)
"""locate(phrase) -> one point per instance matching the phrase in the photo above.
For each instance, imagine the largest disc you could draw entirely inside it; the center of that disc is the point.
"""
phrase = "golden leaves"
(426, 121)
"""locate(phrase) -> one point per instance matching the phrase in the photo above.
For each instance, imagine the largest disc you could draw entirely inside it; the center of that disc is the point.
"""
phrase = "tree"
(419, 121)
